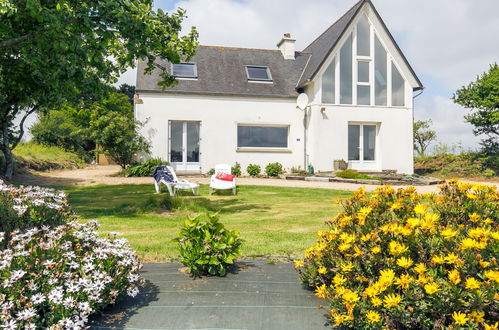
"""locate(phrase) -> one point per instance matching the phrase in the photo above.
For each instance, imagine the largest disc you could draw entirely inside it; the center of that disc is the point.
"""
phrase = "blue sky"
(448, 42)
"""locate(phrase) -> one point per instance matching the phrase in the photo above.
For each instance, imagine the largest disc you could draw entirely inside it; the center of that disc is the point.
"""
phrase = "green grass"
(273, 221)
(39, 157)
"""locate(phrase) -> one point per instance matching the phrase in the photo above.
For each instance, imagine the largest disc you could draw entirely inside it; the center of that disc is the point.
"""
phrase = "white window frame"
(194, 77)
(270, 80)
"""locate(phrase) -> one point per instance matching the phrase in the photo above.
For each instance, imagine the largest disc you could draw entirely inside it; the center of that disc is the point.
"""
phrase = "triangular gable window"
(362, 72)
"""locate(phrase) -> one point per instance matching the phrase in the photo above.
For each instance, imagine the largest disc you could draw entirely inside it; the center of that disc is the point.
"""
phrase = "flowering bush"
(55, 271)
(399, 259)
(26, 207)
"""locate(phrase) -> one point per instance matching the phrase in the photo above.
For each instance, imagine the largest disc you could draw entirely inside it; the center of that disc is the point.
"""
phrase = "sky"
(447, 42)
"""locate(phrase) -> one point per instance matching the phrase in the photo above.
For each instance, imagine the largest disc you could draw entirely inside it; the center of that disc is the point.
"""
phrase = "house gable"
(328, 44)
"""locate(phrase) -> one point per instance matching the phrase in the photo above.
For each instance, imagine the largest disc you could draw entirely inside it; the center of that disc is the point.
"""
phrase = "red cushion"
(225, 176)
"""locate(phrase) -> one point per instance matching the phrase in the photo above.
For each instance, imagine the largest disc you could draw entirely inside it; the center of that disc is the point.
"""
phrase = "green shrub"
(144, 169)
(206, 247)
(299, 171)
(403, 260)
(253, 169)
(236, 169)
(211, 171)
(274, 169)
(353, 174)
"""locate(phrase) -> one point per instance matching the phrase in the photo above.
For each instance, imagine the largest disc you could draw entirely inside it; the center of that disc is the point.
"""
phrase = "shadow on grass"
(117, 316)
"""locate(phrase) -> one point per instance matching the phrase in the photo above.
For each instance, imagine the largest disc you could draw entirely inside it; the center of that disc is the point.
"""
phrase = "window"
(361, 142)
(346, 72)
(185, 70)
(328, 83)
(380, 73)
(249, 136)
(363, 37)
(258, 73)
(398, 85)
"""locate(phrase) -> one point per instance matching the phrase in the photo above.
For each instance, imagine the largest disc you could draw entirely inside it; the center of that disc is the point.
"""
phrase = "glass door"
(184, 145)
(362, 147)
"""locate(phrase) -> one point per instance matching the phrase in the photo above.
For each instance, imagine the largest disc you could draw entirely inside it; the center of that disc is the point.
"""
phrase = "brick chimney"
(287, 47)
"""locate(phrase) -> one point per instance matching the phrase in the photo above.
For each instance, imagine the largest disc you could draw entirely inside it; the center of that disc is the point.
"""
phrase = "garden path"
(106, 174)
(257, 295)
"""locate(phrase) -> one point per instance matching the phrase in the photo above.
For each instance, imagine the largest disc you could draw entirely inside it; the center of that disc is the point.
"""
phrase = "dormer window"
(185, 70)
(258, 73)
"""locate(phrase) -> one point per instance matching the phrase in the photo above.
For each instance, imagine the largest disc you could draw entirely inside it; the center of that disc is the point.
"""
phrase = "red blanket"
(225, 176)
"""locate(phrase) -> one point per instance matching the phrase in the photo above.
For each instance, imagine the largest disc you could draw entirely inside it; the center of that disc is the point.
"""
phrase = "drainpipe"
(305, 138)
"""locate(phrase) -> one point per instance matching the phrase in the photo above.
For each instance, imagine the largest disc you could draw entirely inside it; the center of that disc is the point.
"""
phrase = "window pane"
(353, 142)
(262, 137)
(363, 71)
(346, 72)
(369, 142)
(328, 83)
(398, 85)
(258, 73)
(192, 141)
(176, 141)
(363, 40)
(184, 70)
(380, 80)
(363, 95)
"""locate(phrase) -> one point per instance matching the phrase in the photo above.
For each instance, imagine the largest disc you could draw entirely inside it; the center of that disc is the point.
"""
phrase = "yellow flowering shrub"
(398, 259)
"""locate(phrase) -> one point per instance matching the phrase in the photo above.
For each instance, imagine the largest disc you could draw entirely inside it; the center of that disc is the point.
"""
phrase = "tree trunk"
(9, 163)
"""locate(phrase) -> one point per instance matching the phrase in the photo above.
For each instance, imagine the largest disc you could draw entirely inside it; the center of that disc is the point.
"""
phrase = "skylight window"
(185, 70)
(258, 73)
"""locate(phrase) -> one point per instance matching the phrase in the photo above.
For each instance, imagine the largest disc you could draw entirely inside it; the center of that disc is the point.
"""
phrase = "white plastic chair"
(217, 184)
(168, 177)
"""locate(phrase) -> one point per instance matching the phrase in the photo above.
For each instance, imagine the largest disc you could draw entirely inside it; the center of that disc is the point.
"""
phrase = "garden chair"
(165, 174)
(223, 179)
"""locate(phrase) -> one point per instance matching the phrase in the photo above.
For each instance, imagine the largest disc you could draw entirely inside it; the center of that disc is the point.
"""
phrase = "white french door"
(184, 145)
(362, 140)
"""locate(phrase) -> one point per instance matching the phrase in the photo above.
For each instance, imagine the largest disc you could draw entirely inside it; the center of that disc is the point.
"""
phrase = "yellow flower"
(448, 233)
(347, 267)
(371, 291)
(491, 327)
(471, 195)
(340, 319)
(344, 246)
(431, 288)
(492, 275)
(438, 260)
(365, 237)
(397, 248)
(472, 283)
(403, 281)
(386, 276)
(396, 206)
(469, 243)
(474, 217)
(424, 279)
(299, 263)
(392, 300)
(373, 317)
(451, 258)
(420, 268)
(376, 250)
(429, 221)
(322, 270)
(350, 297)
(420, 208)
(321, 291)
(477, 316)
(459, 318)
(484, 263)
(413, 222)
(405, 262)
(454, 276)
(376, 301)
(339, 279)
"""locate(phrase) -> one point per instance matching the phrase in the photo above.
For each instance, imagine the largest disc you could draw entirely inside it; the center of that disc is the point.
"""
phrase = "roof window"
(185, 70)
(258, 73)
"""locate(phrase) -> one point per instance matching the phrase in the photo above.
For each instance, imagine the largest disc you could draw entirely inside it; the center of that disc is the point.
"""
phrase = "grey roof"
(221, 70)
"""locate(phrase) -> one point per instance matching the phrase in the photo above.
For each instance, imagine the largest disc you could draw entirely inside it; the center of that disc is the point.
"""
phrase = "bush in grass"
(253, 169)
(211, 171)
(402, 260)
(353, 174)
(206, 247)
(144, 169)
(55, 271)
(236, 169)
(273, 169)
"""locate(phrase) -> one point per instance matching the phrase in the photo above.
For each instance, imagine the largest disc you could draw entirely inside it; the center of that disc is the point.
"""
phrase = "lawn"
(273, 221)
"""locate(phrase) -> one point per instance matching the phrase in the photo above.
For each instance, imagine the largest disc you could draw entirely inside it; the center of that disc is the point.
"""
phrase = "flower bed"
(399, 259)
(55, 276)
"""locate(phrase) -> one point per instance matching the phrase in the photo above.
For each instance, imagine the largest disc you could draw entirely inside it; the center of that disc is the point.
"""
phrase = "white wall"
(219, 117)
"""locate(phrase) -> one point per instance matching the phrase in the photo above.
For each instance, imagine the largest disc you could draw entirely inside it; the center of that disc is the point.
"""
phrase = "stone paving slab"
(257, 295)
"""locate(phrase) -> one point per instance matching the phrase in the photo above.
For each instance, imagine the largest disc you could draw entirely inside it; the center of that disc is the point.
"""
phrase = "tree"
(55, 51)
(423, 136)
(128, 90)
(482, 98)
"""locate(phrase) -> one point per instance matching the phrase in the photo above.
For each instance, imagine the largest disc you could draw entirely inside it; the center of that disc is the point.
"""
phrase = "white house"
(240, 104)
